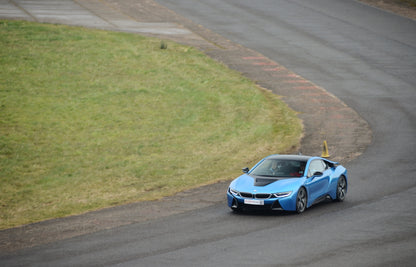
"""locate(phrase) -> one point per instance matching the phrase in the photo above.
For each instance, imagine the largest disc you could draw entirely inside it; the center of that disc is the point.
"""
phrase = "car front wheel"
(235, 207)
(341, 189)
(301, 200)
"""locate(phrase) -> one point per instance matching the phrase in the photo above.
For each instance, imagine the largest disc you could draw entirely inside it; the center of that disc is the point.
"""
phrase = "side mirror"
(245, 170)
(317, 174)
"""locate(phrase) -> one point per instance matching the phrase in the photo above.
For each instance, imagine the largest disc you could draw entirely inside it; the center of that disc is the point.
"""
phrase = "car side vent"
(262, 196)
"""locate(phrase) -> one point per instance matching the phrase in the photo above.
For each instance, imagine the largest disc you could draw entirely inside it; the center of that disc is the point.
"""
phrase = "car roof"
(289, 157)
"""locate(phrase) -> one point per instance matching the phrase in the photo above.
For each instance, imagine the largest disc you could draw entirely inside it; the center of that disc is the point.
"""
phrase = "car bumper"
(285, 203)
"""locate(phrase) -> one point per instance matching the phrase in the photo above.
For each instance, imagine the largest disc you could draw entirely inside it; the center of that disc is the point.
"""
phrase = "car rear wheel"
(341, 189)
(301, 200)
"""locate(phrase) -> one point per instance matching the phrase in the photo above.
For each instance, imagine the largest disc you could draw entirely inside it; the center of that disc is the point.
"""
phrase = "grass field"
(91, 119)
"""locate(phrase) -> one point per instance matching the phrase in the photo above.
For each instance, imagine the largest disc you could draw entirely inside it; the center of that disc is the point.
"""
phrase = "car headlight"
(282, 194)
(234, 192)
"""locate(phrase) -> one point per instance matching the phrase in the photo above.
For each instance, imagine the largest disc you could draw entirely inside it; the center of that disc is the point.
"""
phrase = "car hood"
(247, 183)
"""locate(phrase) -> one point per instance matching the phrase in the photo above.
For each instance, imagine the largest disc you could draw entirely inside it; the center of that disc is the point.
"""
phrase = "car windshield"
(279, 168)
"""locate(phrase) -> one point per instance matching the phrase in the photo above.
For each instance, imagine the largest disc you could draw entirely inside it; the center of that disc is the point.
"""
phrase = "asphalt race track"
(367, 58)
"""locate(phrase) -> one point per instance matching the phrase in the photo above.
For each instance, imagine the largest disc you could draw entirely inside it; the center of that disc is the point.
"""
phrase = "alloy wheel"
(301, 200)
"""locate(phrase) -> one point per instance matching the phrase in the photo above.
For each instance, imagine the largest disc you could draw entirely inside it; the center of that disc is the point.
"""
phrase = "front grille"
(258, 196)
(245, 194)
(262, 196)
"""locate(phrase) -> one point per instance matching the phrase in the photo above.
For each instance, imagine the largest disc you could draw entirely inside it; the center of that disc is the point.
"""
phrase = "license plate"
(254, 202)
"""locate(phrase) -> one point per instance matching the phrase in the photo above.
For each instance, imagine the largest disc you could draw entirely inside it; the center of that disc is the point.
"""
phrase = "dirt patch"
(405, 8)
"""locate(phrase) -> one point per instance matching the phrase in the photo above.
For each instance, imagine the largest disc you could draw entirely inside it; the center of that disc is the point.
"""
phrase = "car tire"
(236, 210)
(341, 189)
(301, 200)
(235, 207)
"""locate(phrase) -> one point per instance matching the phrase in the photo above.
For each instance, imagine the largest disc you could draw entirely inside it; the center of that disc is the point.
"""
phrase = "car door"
(317, 186)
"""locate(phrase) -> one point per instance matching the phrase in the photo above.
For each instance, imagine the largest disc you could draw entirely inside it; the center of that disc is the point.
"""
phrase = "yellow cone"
(325, 153)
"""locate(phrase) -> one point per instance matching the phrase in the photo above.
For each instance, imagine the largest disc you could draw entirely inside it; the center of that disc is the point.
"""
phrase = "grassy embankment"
(90, 119)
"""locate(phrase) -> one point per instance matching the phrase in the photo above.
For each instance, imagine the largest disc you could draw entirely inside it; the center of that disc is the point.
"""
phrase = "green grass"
(91, 119)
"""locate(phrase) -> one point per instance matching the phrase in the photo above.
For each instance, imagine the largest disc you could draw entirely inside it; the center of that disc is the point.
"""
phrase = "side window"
(316, 166)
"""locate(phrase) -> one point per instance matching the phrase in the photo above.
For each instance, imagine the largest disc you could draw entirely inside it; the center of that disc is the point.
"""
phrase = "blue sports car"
(288, 182)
